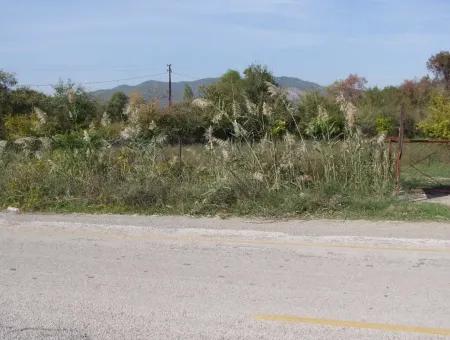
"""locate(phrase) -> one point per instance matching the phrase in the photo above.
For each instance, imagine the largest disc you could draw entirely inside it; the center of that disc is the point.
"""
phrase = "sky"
(386, 41)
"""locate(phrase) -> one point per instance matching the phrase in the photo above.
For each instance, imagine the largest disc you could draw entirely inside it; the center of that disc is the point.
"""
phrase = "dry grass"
(345, 178)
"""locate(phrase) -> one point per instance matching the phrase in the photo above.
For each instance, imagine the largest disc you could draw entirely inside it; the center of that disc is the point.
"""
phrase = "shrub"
(143, 193)
(20, 126)
(323, 126)
(72, 107)
(183, 122)
(311, 111)
(116, 106)
(384, 125)
(437, 123)
(86, 139)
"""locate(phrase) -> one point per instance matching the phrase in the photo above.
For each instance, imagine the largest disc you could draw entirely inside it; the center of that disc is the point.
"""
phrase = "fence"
(422, 165)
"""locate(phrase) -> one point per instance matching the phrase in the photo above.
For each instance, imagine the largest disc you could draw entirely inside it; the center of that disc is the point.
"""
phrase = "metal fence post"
(180, 162)
(401, 136)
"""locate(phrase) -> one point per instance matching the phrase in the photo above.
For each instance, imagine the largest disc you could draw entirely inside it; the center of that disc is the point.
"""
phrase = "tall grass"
(269, 177)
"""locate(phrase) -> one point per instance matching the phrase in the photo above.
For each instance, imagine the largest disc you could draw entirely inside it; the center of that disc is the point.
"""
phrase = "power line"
(100, 81)
(185, 75)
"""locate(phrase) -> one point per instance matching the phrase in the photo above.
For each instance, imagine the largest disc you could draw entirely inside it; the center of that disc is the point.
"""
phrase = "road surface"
(132, 277)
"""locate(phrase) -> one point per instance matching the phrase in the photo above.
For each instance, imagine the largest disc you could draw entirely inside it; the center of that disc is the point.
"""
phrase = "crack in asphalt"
(74, 334)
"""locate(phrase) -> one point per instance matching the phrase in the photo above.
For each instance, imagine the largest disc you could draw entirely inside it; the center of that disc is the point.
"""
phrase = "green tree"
(23, 100)
(7, 81)
(255, 84)
(181, 122)
(227, 92)
(116, 106)
(437, 123)
(188, 94)
(246, 102)
(439, 64)
(378, 106)
(73, 107)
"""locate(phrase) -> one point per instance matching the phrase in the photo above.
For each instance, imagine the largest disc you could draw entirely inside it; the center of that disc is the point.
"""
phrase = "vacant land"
(243, 147)
(130, 277)
(350, 178)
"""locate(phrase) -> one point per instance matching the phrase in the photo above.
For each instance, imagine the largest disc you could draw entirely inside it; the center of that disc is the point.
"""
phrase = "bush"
(376, 107)
(72, 108)
(318, 116)
(437, 123)
(323, 126)
(384, 125)
(183, 122)
(79, 140)
(143, 194)
(20, 126)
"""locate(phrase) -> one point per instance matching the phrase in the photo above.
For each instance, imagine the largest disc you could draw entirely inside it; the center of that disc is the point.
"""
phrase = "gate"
(422, 166)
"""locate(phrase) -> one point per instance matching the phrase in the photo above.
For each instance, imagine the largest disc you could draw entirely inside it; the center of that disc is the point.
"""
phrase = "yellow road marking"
(355, 324)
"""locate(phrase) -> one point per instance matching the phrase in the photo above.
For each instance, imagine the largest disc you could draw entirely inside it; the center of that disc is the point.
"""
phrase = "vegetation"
(437, 123)
(245, 147)
(439, 64)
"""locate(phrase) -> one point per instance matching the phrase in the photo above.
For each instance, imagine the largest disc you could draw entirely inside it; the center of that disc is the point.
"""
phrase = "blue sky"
(386, 41)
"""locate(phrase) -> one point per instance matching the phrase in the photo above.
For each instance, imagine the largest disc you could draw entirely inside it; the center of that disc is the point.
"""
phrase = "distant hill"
(158, 90)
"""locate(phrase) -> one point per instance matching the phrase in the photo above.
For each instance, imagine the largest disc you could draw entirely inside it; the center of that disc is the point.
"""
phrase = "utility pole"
(169, 69)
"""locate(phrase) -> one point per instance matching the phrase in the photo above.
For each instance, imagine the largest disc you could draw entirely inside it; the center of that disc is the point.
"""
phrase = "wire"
(100, 81)
(185, 75)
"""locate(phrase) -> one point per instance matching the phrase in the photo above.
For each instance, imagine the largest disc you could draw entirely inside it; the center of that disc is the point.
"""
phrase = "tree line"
(248, 105)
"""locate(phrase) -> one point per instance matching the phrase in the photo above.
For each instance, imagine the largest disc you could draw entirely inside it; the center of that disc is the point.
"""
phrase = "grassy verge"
(348, 179)
(390, 209)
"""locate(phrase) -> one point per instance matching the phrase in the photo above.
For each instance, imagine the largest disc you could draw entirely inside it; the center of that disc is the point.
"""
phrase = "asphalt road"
(130, 277)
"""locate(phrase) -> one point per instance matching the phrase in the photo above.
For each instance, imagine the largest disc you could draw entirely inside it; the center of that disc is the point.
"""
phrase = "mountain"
(295, 86)
(158, 90)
